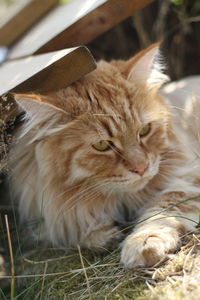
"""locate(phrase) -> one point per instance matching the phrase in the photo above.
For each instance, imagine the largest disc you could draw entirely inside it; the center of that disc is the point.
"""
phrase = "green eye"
(102, 145)
(145, 130)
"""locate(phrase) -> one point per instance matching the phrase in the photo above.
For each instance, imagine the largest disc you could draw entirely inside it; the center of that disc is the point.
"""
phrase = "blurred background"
(174, 22)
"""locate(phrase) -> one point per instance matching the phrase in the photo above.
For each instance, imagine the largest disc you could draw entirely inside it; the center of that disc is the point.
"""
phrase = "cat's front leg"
(105, 235)
(160, 233)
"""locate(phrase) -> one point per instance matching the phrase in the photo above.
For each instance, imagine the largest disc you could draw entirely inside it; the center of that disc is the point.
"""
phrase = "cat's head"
(108, 129)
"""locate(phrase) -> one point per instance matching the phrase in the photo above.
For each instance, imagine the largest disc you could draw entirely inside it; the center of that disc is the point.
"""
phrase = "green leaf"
(177, 2)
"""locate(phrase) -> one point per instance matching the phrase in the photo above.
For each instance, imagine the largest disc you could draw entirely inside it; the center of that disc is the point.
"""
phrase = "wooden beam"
(75, 23)
(45, 72)
(97, 22)
(21, 17)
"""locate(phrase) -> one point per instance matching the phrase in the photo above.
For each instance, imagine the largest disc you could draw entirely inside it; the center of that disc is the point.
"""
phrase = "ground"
(49, 273)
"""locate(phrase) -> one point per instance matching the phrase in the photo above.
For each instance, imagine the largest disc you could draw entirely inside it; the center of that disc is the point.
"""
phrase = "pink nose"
(140, 168)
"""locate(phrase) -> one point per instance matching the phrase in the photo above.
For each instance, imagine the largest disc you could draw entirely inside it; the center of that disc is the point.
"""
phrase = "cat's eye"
(103, 145)
(145, 130)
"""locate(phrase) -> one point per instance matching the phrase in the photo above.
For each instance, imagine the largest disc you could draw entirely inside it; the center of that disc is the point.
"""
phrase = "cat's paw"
(148, 247)
(105, 237)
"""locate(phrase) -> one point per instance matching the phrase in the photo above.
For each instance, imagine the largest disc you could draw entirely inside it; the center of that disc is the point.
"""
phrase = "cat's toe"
(148, 248)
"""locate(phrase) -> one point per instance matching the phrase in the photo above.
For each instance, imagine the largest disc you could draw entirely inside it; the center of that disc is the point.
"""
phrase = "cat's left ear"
(147, 68)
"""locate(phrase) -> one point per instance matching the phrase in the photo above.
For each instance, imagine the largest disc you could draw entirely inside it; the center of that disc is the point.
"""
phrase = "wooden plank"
(97, 22)
(63, 16)
(45, 72)
(75, 23)
(21, 17)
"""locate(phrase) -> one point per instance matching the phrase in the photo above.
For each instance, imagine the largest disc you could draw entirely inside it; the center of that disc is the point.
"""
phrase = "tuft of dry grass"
(53, 274)
(48, 273)
(178, 279)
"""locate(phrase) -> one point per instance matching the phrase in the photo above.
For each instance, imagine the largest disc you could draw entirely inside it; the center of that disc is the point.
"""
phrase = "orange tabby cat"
(109, 142)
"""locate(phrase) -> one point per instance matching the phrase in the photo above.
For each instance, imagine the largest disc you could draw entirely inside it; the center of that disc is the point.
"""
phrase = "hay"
(47, 273)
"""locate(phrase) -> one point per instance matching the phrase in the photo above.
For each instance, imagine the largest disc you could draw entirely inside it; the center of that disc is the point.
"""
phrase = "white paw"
(147, 247)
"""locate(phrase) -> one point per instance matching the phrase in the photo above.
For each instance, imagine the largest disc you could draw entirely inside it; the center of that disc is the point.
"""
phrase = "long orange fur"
(79, 192)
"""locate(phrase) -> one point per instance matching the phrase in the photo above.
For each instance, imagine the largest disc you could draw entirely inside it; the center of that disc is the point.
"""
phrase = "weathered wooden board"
(92, 25)
(74, 23)
(21, 17)
(45, 72)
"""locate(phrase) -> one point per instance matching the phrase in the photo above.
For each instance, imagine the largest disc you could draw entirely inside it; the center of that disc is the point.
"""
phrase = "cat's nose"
(140, 168)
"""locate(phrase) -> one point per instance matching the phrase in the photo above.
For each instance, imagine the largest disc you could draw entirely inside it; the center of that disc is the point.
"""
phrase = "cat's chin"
(127, 185)
(138, 185)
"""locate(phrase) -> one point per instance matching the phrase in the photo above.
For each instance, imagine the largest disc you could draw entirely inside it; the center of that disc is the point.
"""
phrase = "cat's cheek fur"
(77, 171)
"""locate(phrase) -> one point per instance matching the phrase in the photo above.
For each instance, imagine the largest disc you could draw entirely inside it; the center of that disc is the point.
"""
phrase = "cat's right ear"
(40, 110)
(44, 117)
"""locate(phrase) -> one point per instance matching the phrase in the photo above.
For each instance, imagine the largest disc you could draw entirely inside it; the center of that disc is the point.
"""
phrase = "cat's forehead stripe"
(114, 124)
(107, 127)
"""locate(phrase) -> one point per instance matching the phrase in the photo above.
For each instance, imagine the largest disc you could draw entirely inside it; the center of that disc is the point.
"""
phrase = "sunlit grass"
(54, 274)
(49, 273)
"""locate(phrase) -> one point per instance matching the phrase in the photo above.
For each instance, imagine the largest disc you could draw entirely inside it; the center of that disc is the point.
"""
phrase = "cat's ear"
(147, 68)
(45, 118)
(38, 109)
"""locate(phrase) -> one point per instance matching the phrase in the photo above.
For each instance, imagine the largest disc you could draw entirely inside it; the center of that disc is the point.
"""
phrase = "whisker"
(87, 192)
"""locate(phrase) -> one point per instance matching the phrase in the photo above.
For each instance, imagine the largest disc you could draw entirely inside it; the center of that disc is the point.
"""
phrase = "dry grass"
(51, 274)
(179, 278)
(47, 273)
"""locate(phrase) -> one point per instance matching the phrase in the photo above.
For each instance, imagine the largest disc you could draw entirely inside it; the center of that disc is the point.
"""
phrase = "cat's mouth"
(129, 183)
(135, 181)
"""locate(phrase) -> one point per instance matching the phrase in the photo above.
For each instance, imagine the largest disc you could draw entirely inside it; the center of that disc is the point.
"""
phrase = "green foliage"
(190, 6)
(65, 1)
(177, 2)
